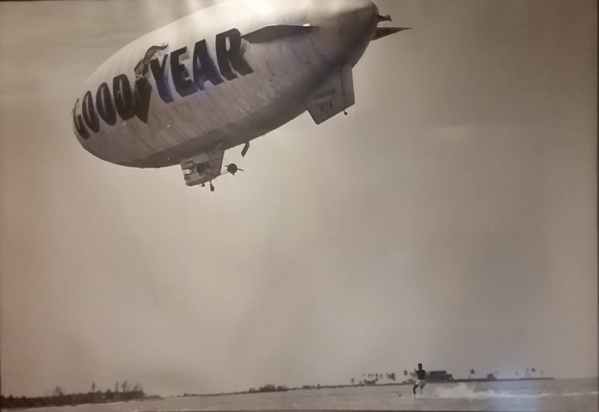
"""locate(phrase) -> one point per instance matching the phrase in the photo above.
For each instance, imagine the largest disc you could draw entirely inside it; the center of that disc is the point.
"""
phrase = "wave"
(463, 391)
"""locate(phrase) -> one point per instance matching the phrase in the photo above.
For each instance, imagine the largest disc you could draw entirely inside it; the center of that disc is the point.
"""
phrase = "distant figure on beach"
(420, 379)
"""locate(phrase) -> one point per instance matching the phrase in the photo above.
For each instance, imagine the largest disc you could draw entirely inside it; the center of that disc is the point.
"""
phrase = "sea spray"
(464, 391)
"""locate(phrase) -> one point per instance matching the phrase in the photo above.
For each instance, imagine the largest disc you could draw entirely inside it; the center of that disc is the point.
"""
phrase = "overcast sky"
(449, 219)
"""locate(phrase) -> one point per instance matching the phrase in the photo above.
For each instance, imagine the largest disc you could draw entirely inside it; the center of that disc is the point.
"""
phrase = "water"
(560, 395)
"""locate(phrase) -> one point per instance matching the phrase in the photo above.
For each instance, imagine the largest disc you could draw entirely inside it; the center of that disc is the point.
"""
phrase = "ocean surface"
(577, 395)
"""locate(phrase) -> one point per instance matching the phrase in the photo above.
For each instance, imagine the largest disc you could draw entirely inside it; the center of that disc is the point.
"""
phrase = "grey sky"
(449, 219)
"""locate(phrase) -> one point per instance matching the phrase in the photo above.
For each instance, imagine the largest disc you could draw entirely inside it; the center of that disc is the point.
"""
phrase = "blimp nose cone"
(345, 28)
(357, 21)
(364, 10)
(344, 9)
(353, 6)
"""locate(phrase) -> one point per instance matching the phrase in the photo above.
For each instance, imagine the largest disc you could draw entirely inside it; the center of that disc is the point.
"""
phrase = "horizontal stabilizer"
(387, 31)
(278, 32)
(334, 96)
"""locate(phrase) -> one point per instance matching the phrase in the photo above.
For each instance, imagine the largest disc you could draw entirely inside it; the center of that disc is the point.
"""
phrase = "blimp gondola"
(221, 77)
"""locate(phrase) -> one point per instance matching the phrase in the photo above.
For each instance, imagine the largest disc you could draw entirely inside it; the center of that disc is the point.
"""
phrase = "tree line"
(122, 391)
(374, 378)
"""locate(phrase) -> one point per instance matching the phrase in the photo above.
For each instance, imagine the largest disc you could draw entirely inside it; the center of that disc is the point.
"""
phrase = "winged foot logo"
(126, 101)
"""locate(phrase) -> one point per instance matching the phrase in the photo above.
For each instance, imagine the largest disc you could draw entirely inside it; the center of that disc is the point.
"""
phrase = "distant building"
(439, 376)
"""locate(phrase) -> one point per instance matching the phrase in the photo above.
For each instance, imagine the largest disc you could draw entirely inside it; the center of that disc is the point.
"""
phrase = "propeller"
(233, 169)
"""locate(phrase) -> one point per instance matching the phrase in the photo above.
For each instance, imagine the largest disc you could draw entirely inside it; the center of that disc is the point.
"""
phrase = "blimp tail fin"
(387, 31)
(277, 32)
(333, 97)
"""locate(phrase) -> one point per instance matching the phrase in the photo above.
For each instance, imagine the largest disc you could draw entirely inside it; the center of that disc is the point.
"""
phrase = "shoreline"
(36, 401)
(315, 388)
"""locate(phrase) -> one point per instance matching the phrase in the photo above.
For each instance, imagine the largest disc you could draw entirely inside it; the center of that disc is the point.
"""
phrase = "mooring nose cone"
(356, 6)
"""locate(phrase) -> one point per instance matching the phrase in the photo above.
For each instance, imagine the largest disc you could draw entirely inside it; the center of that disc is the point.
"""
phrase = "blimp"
(221, 77)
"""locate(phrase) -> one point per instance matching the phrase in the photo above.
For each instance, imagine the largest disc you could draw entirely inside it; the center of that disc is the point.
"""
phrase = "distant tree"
(472, 373)
(125, 386)
(58, 391)
(352, 381)
(405, 372)
(93, 388)
(116, 387)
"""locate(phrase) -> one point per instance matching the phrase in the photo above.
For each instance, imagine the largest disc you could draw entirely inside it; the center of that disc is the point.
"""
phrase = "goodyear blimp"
(221, 77)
